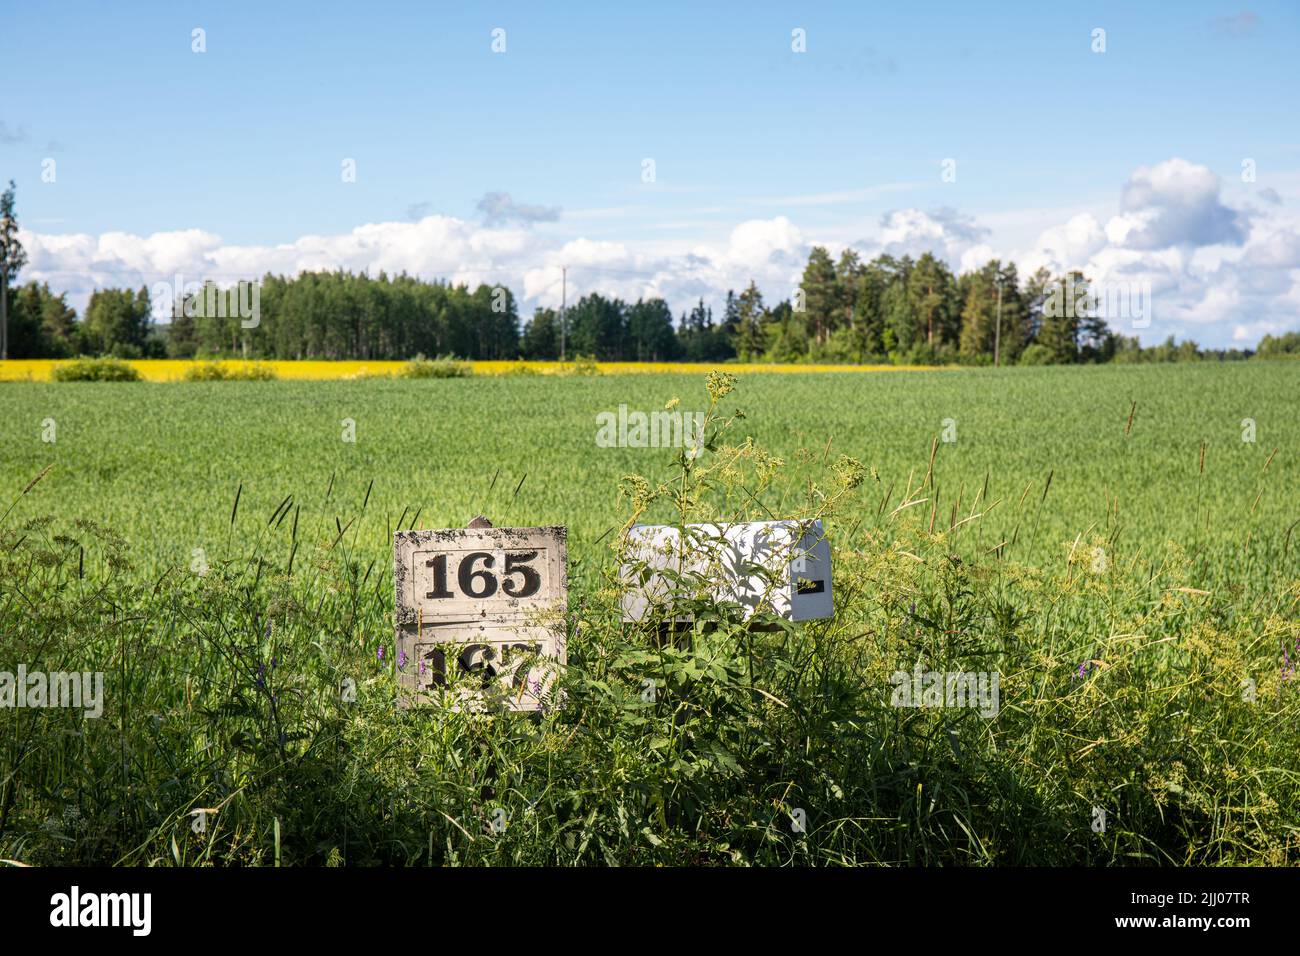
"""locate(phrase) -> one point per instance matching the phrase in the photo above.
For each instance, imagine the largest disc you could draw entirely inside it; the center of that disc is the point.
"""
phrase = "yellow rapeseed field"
(173, 370)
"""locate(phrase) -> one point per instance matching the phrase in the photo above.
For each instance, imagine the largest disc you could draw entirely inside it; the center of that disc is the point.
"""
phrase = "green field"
(161, 463)
(1101, 536)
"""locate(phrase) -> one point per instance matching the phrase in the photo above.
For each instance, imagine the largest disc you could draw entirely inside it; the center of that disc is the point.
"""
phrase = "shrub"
(1284, 346)
(441, 367)
(216, 372)
(840, 347)
(582, 365)
(1036, 355)
(86, 369)
(925, 353)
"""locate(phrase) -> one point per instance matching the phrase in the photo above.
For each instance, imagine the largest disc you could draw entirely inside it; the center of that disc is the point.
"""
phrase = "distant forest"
(897, 310)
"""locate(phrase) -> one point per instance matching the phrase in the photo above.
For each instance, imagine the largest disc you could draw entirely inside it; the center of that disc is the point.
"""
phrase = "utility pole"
(997, 334)
(564, 300)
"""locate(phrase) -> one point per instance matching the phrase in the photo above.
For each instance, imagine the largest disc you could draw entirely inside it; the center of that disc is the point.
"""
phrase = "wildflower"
(380, 653)
(849, 472)
(401, 659)
(720, 384)
(637, 489)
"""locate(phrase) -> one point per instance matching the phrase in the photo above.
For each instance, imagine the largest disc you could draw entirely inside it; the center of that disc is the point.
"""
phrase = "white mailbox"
(783, 567)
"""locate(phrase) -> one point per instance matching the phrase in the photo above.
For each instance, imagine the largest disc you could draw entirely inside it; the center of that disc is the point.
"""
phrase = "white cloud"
(1174, 203)
(944, 232)
(764, 243)
(1061, 247)
(976, 257)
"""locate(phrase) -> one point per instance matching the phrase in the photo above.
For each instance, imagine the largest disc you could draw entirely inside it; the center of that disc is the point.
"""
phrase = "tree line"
(888, 309)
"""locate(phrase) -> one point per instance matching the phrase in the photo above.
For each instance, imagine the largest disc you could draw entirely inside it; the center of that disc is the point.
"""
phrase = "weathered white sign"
(480, 616)
(780, 567)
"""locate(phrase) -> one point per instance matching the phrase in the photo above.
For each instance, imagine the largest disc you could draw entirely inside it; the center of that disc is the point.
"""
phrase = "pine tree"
(869, 306)
(848, 274)
(650, 331)
(900, 320)
(820, 293)
(985, 333)
(1065, 299)
(751, 318)
(1035, 298)
(12, 259)
(932, 292)
(787, 334)
(541, 339)
(701, 339)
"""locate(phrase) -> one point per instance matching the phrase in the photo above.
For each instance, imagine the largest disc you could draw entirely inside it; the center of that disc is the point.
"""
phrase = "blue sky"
(229, 161)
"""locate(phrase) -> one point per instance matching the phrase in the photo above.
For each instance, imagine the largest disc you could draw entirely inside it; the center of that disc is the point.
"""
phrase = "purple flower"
(401, 659)
(380, 653)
